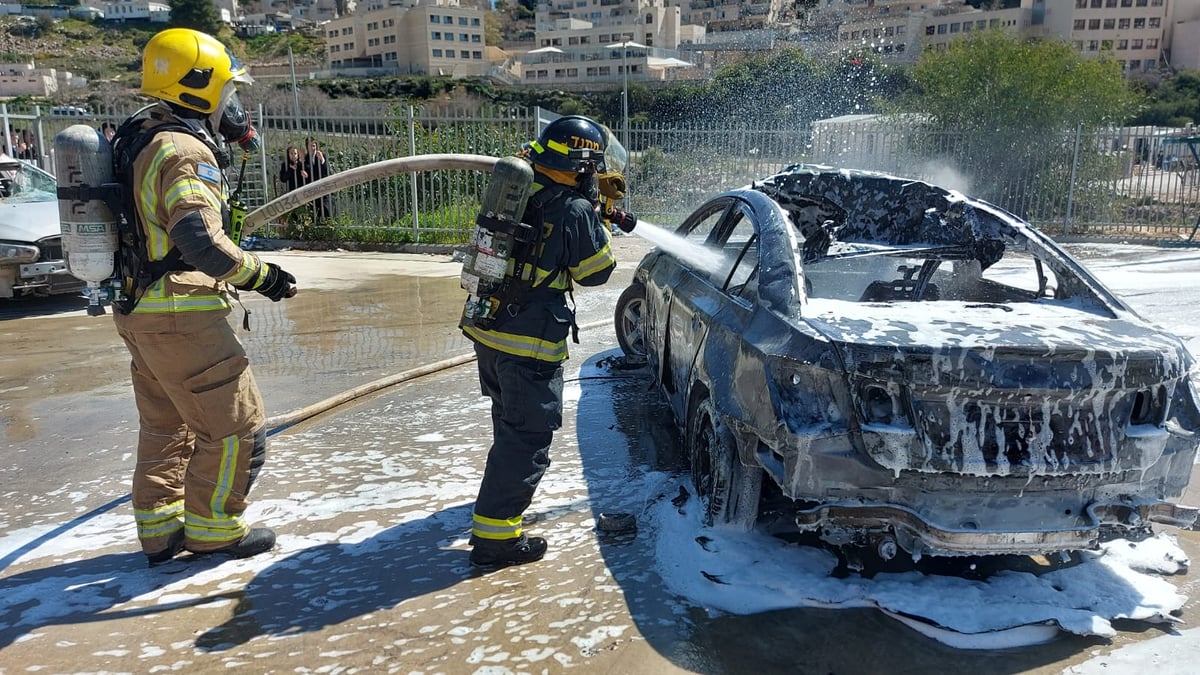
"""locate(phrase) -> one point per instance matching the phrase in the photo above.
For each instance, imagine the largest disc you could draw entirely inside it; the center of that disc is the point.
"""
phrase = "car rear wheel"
(728, 489)
(629, 317)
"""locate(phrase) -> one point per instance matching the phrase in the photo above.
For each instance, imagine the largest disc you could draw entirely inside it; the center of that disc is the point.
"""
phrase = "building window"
(1080, 23)
(477, 55)
(1080, 4)
(1093, 24)
(475, 21)
(1106, 45)
(1123, 24)
(1155, 22)
(1139, 23)
(448, 20)
(463, 37)
(449, 37)
(649, 18)
(1127, 3)
(435, 35)
(1110, 24)
(1110, 3)
(1152, 43)
(1122, 45)
(942, 28)
(1097, 4)
(1135, 44)
(929, 30)
(1140, 3)
(449, 53)
(955, 27)
(900, 30)
(437, 53)
(434, 18)
(1149, 64)
(462, 20)
(1093, 45)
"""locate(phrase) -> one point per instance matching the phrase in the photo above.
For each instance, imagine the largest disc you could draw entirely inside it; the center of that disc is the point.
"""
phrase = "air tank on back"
(499, 232)
(83, 163)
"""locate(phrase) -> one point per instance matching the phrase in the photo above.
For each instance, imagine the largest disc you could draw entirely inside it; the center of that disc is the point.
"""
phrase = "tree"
(997, 104)
(201, 15)
(785, 86)
(1174, 102)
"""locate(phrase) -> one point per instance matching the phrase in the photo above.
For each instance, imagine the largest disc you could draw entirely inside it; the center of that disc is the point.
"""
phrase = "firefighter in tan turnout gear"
(202, 437)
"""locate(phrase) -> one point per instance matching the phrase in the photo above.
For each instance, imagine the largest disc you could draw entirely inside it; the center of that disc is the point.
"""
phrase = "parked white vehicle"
(31, 252)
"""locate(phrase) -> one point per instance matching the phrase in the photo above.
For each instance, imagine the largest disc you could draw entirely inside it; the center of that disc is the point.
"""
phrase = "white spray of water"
(691, 252)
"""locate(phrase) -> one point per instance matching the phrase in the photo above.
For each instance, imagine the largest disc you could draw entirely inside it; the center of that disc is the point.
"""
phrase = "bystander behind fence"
(1128, 183)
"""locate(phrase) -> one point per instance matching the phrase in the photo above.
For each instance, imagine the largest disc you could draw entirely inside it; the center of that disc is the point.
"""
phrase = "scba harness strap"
(136, 270)
(523, 288)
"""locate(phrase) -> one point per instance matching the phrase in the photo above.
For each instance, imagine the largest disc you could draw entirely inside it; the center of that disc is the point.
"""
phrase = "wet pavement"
(372, 503)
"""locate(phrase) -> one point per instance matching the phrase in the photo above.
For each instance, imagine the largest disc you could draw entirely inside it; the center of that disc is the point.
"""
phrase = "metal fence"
(1119, 183)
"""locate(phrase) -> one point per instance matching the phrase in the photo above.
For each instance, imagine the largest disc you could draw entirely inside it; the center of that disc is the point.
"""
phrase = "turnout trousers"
(201, 441)
(526, 410)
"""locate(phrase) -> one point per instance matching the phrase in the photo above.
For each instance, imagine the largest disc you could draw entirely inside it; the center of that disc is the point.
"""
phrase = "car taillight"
(883, 403)
(1148, 407)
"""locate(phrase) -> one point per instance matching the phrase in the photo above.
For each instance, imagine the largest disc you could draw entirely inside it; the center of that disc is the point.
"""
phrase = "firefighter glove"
(612, 185)
(277, 283)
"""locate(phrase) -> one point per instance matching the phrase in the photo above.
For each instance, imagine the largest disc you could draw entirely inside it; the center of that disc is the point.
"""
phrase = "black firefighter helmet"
(573, 144)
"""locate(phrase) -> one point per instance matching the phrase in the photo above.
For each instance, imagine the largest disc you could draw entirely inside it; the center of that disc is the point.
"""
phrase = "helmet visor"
(616, 158)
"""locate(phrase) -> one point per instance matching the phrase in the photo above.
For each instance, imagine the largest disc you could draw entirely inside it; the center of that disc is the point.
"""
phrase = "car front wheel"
(630, 321)
(728, 489)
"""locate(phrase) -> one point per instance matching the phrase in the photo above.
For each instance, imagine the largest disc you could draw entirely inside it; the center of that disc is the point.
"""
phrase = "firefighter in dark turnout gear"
(520, 356)
(202, 439)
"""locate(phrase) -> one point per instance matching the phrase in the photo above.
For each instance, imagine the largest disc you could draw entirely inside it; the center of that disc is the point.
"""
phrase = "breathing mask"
(232, 122)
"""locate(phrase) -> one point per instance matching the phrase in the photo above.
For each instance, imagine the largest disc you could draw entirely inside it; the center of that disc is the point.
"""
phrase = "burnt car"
(31, 251)
(909, 369)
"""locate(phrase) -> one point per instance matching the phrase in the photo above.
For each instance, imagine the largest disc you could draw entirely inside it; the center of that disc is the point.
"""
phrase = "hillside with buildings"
(570, 45)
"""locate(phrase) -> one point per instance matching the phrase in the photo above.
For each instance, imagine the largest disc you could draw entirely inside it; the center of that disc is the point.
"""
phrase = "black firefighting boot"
(257, 540)
(505, 552)
(174, 546)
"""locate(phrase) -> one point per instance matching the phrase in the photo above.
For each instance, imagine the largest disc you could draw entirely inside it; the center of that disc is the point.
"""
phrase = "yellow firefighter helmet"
(189, 68)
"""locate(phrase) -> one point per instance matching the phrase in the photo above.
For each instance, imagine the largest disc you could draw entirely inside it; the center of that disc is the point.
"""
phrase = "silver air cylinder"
(83, 159)
(486, 266)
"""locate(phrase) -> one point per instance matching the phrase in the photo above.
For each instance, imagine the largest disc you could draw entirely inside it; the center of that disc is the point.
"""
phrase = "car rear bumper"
(880, 524)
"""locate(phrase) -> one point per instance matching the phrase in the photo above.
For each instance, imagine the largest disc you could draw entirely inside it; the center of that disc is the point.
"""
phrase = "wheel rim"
(631, 326)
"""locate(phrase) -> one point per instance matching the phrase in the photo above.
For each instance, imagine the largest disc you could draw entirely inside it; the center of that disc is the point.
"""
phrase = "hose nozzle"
(622, 219)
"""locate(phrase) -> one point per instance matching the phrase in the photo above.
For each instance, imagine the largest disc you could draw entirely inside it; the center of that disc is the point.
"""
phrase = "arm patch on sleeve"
(208, 173)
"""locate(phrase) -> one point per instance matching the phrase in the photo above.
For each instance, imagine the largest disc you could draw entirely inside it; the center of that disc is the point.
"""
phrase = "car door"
(677, 268)
(698, 297)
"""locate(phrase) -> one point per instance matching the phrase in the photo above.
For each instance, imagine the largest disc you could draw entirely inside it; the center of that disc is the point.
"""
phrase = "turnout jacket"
(180, 194)
(575, 248)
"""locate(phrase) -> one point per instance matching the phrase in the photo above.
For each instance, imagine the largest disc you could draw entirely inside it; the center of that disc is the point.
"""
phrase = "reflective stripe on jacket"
(576, 248)
(174, 176)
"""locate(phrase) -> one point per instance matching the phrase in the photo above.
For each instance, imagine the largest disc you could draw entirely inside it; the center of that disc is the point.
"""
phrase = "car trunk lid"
(1040, 387)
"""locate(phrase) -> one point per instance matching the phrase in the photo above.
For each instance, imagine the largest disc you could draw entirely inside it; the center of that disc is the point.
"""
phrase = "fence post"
(1071, 187)
(7, 131)
(262, 154)
(412, 184)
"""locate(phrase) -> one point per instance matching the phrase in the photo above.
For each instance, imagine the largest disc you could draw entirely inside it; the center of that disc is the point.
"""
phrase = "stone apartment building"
(582, 42)
(418, 37)
(1135, 32)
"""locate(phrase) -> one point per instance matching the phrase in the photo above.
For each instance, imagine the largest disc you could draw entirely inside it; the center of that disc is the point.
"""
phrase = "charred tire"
(728, 489)
(629, 318)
